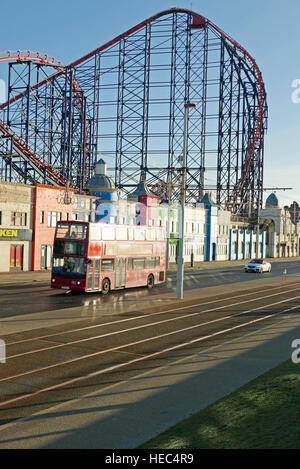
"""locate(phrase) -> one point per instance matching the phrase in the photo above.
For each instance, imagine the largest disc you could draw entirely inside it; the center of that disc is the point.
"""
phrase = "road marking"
(148, 315)
(52, 347)
(135, 377)
(106, 370)
(97, 373)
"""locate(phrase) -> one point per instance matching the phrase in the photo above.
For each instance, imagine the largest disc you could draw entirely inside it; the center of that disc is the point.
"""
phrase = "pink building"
(147, 208)
(49, 207)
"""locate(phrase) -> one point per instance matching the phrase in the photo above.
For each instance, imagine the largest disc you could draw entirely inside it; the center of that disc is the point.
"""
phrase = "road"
(20, 299)
(62, 347)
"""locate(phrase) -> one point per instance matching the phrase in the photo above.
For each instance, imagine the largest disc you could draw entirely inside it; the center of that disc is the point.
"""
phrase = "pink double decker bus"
(91, 257)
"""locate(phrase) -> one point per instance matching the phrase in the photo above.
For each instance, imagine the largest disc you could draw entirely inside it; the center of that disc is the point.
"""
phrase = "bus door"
(120, 272)
(93, 275)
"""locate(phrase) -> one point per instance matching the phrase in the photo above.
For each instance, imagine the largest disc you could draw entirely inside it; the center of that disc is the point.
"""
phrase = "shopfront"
(15, 248)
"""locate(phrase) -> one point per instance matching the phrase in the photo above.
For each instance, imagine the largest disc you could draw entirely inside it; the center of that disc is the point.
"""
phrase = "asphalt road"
(122, 337)
(62, 347)
(18, 299)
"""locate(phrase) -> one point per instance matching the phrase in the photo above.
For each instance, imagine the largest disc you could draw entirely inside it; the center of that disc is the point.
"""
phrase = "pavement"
(127, 414)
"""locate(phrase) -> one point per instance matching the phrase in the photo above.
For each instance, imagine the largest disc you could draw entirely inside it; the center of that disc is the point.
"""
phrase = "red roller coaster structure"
(124, 101)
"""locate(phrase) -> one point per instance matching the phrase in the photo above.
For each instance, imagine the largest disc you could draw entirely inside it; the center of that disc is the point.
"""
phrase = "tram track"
(122, 331)
(144, 315)
(64, 364)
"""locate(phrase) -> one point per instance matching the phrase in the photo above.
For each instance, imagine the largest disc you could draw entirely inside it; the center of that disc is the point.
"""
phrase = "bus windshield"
(71, 231)
(69, 267)
(77, 248)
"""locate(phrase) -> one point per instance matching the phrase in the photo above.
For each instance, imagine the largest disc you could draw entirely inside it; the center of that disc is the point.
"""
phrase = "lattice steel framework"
(125, 102)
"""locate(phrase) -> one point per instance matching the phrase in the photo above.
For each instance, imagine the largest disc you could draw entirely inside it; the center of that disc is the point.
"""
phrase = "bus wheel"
(105, 286)
(150, 281)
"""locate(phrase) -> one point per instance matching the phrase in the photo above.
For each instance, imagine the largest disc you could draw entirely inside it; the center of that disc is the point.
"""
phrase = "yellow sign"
(8, 233)
(127, 249)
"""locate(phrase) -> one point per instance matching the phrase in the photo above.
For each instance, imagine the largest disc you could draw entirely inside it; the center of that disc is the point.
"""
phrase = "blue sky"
(268, 29)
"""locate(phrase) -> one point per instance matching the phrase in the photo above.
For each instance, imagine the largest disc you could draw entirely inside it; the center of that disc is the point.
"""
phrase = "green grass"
(263, 414)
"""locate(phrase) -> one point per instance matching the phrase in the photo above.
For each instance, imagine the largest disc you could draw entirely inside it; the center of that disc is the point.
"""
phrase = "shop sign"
(8, 233)
(15, 234)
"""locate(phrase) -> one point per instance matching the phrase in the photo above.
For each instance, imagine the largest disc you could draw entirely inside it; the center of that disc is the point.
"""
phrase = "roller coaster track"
(42, 167)
(37, 162)
(198, 21)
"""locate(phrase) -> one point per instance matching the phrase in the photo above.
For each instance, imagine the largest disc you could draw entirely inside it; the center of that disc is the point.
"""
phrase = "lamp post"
(180, 261)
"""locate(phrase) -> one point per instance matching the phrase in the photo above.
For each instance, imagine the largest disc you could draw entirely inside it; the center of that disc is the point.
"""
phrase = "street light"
(180, 261)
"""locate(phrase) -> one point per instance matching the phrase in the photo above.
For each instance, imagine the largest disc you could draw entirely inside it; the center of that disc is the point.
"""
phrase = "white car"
(258, 265)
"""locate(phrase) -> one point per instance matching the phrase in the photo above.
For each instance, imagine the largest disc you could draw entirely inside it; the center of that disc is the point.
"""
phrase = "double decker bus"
(91, 257)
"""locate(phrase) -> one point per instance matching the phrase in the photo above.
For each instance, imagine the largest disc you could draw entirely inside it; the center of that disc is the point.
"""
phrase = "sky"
(268, 29)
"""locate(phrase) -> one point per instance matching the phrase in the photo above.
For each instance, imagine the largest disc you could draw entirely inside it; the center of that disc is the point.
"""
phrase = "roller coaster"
(124, 102)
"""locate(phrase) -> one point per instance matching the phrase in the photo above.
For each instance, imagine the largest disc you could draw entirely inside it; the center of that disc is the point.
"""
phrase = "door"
(96, 275)
(46, 255)
(214, 251)
(120, 273)
(90, 274)
(16, 257)
(93, 275)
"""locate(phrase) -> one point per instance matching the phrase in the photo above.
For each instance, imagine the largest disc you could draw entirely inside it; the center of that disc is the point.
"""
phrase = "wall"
(47, 199)
(15, 198)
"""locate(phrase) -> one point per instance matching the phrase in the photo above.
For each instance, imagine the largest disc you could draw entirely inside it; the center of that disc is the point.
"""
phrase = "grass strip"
(263, 414)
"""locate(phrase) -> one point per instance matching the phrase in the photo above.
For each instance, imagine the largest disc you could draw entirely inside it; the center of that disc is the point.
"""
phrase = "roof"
(141, 189)
(100, 181)
(272, 201)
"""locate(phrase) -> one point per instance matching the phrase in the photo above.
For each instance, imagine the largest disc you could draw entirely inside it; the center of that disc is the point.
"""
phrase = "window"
(107, 265)
(108, 233)
(150, 235)
(53, 218)
(140, 234)
(18, 219)
(0, 218)
(69, 267)
(75, 231)
(121, 233)
(150, 262)
(69, 247)
(138, 263)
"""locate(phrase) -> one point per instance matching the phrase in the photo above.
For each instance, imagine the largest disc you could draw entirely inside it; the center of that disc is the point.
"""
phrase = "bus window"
(69, 247)
(107, 265)
(157, 261)
(121, 233)
(71, 231)
(150, 262)
(69, 266)
(138, 263)
(150, 235)
(108, 233)
(139, 234)
(130, 234)
(129, 264)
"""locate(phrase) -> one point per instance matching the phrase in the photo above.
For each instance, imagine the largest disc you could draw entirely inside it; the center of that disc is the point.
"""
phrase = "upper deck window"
(71, 231)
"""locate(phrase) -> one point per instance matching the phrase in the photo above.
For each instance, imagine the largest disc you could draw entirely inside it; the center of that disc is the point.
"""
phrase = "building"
(282, 234)
(16, 226)
(28, 217)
